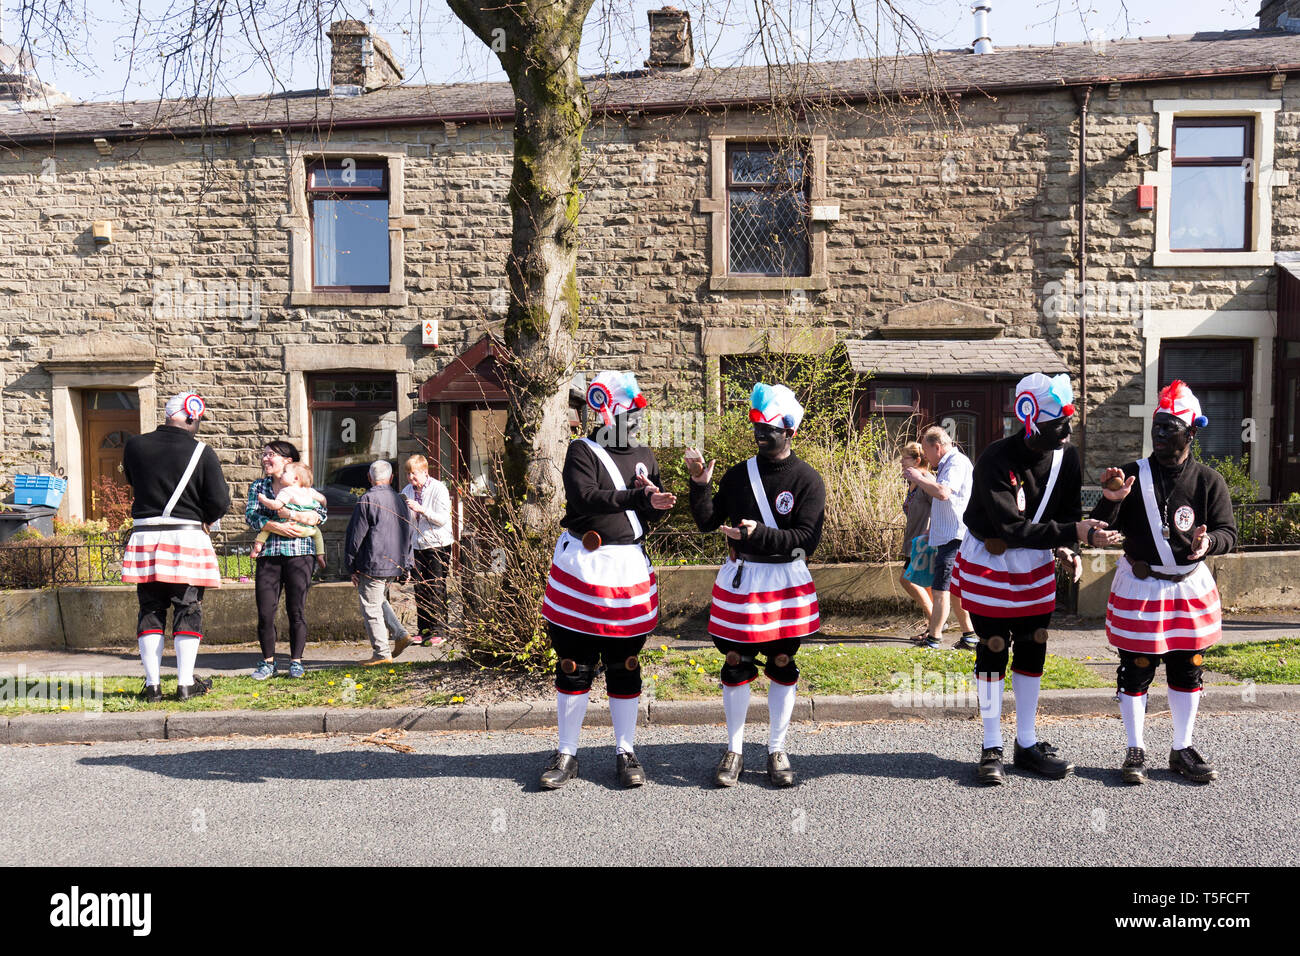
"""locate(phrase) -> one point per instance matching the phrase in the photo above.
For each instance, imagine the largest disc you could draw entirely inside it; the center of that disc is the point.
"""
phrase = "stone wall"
(978, 206)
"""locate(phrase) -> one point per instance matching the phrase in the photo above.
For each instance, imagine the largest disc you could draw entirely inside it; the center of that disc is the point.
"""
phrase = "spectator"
(918, 557)
(949, 490)
(431, 539)
(284, 565)
(378, 550)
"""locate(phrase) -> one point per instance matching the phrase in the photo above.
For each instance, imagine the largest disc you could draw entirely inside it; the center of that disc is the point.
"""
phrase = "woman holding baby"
(282, 505)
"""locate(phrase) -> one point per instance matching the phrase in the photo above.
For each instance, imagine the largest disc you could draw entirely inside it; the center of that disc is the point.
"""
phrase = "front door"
(1288, 419)
(109, 418)
(963, 412)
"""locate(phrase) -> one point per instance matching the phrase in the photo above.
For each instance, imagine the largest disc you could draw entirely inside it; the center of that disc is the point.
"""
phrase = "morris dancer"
(601, 597)
(764, 601)
(1164, 604)
(1025, 502)
(179, 491)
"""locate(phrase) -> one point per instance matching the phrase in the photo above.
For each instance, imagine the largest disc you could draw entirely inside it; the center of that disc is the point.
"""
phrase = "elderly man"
(179, 491)
(949, 489)
(378, 549)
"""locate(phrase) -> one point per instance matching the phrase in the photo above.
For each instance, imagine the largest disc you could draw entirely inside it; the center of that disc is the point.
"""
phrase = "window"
(899, 406)
(348, 206)
(767, 210)
(1219, 372)
(487, 429)
(353, 423)
(1212, 186)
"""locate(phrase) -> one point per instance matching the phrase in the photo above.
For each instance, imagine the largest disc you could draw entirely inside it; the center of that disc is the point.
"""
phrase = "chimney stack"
(359, 62)
(983, 44)
(1280, 15)
(671, 47)
(18, 83)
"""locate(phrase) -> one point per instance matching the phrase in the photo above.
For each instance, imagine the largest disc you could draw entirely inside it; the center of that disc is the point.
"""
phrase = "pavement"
(892, 793)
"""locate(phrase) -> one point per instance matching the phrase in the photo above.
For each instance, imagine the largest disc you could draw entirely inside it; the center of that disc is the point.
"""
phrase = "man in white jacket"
(430, 506)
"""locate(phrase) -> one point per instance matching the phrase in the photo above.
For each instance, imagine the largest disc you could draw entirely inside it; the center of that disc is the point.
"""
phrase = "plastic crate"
(39, 490)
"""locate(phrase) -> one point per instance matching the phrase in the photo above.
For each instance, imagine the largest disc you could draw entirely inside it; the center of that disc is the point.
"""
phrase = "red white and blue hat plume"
(1177, 399)
(189, 403)
(613, 393)
(775, 405)
(1040, 399)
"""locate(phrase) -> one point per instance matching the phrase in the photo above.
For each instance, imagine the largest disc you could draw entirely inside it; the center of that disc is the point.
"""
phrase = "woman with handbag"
(918, 556)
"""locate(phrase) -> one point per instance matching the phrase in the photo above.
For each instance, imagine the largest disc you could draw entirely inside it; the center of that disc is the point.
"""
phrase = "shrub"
(47, 562)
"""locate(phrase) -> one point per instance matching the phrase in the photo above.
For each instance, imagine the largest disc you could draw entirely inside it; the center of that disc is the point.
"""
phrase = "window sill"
(1167, 259)
(348, 298)
(768, 283)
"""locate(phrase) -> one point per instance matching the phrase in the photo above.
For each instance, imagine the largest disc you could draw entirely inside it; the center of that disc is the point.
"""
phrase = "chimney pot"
(671, 46)
(983, 43)
(360, 62)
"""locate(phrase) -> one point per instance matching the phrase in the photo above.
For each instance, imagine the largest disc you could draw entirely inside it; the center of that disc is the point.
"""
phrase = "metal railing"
(45, 562)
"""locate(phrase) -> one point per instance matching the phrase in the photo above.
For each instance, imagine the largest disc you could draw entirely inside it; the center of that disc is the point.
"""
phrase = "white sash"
(756, 485)
(166, 516)
(1057, 457)
(1153, 519)
(619, 484)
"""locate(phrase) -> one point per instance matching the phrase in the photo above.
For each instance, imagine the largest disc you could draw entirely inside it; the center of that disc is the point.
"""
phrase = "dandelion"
(391, 671)
(118, 689)
(692, 662)
(256, 694)
(348, 676)
(458, 700)
(699, 670)
(654, 676)
(360, 686)
(664, 648)
(330, 701)
(331, 683)
(64, 707)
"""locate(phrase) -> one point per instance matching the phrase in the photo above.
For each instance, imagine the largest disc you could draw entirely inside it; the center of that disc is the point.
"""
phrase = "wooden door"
(964, 412)
(108, 420)
(1287, 418)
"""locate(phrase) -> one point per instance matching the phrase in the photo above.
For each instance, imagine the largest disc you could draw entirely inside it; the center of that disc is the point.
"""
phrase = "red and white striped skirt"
(1151, 616)
(772, 602)
(1020, 582)
(173, 557)
(609, 592)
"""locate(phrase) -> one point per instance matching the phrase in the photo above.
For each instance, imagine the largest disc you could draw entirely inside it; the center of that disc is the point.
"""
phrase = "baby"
(296, 495)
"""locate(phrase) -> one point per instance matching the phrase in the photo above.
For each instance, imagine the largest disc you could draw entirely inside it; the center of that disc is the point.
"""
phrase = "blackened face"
(1170, 438)
(773, 442)
(1050, 436)
(622, 433)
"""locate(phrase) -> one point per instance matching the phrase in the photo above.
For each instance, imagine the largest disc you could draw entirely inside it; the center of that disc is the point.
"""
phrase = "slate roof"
(1235, 52)
(975, 358)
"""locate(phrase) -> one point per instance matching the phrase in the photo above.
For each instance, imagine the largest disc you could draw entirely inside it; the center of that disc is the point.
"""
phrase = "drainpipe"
(1081, 95)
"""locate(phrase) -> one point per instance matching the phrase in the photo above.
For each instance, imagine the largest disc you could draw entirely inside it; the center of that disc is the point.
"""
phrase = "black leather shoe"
(1134, 769)
(197, 689)
(1191, 765)
(990, 771)
(1042, 759)
(561, 769)
(152, 693)
(778, 769)
(727, 773)
(629, 769)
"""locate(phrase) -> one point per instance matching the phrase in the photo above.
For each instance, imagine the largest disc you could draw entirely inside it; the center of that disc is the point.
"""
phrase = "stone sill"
(349, 298)
(768, 283)
(1220, 259)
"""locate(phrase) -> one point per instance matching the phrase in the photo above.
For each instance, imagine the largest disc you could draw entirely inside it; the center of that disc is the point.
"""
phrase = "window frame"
(775, 147)
(1245, 384)
(382, 191)
(313, 405)
(1248, 125)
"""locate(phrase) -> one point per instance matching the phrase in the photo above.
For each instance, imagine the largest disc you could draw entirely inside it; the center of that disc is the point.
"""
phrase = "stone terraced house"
(295, 257)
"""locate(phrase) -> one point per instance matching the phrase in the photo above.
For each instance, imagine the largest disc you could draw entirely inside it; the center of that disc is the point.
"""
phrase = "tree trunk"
(537, 42)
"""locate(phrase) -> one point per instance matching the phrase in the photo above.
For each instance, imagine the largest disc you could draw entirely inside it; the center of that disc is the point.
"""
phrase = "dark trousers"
(290, 576)
(431, 565)
(185, 600)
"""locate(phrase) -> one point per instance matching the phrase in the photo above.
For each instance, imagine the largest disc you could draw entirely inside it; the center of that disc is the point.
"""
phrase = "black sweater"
(153, 465)
(1009, 465)
(1191, 484)
(592, 503)
(796, 534)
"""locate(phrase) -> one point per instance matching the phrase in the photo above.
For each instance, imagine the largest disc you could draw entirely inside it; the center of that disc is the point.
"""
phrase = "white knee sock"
(570, 709)
(1134, 711)
(735, 704)
(780, 708)
(187, 652)
(151, 651)
(1182, 705)
(1025, 690)
(990, 700)
(623, 713)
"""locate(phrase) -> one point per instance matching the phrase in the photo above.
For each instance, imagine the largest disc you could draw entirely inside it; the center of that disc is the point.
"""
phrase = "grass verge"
(1264, 662)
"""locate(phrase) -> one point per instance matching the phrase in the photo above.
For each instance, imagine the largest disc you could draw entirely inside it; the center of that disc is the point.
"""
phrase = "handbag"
(920, 567)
